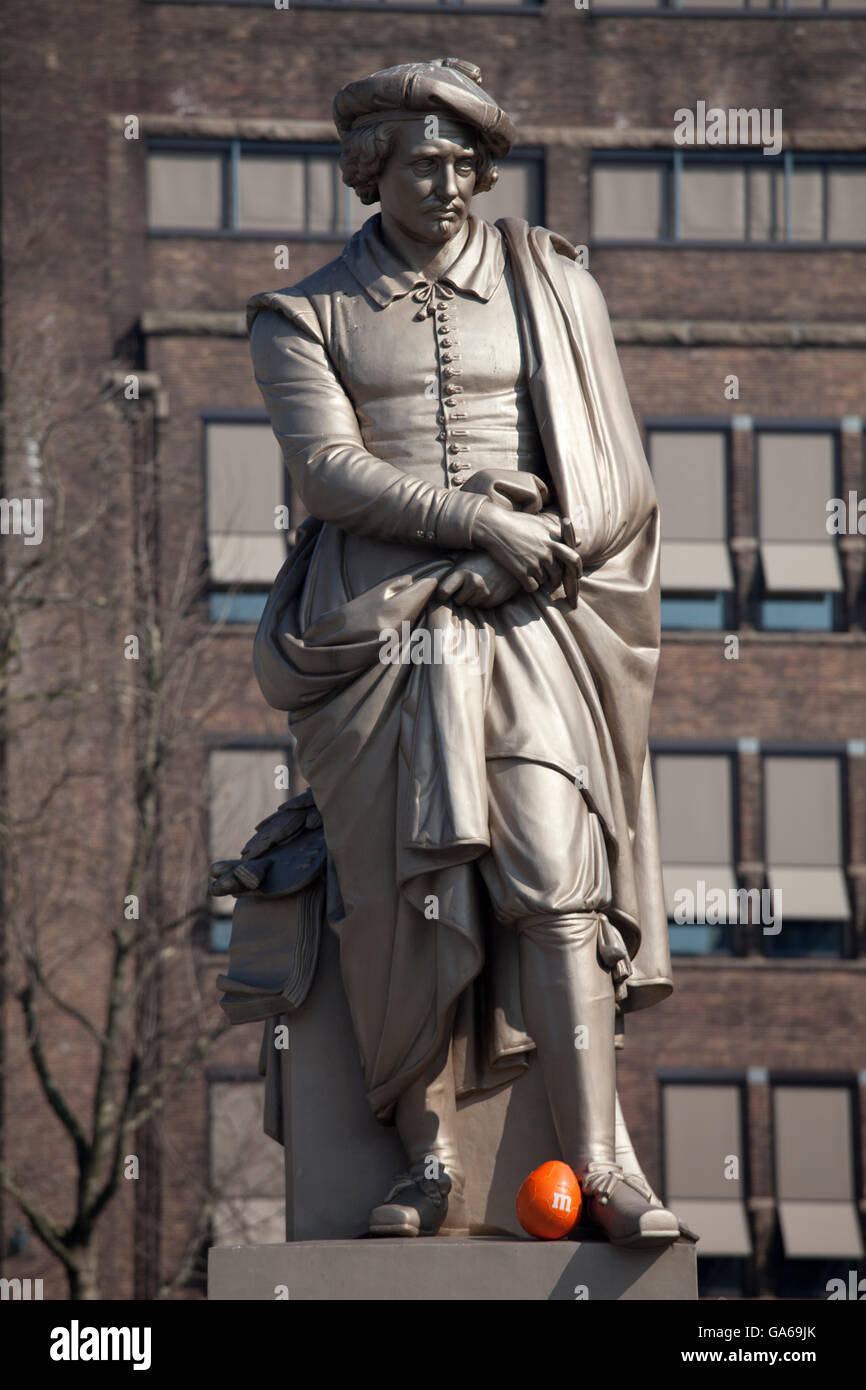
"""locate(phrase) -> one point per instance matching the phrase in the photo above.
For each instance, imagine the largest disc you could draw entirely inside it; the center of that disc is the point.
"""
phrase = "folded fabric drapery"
(395, 752)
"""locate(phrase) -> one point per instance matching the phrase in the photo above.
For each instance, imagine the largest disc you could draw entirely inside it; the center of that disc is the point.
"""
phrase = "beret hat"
(449, 85)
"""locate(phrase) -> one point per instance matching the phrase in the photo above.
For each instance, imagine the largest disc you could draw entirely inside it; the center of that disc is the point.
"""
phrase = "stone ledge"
(193, 323)
(191, 125)
(739, 333)
(220, 323)
(450, 1269)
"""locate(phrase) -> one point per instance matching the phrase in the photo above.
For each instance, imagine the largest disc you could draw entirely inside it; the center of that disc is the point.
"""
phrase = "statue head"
(422, 138)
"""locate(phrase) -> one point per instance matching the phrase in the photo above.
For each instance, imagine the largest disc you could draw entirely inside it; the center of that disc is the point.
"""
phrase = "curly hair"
(366, 149)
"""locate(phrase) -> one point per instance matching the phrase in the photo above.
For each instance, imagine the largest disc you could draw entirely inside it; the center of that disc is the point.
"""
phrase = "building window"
(757, 7)
(533, 5)
(690, 471)
(630, 200)
(245, 188)
(696, 827)
(705, 1176)
(246, 785)
(816, 1193)
(729, 198)
(185, 189)
(247, 1167)
(249, 511)
(804, 852)
(233, 187)
(518, 192)
(796, 478)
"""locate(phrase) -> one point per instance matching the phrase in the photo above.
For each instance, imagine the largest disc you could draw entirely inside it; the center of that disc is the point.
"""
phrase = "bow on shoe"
(602, 1182)
(435, 1188)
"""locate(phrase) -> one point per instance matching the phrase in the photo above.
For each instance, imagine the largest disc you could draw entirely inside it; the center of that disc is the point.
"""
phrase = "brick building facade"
(732, 279)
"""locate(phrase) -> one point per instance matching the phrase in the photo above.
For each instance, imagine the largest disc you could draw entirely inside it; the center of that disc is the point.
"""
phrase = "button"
(458, 448)
(446, 342)
(420, 535)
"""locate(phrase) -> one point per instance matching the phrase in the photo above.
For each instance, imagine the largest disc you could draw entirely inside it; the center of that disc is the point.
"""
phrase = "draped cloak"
(395, 753)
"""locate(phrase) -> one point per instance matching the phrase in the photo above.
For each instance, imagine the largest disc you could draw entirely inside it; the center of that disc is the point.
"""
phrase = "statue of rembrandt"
(453, 416)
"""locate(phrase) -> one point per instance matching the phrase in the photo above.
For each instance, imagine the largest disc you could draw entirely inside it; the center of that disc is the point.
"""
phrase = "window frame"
(251, 743)
(233, 150)
(232, 1075)
(776, 9)
(700, 1076)
(533, 7)
(759, 595)
(848, 929)
(211, 588)
(705, 425)
(727, 748)
(840, 1079)
(672, 160)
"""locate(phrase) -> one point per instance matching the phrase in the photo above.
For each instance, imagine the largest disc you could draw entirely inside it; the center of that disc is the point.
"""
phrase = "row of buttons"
(450, 390)
(450, 393)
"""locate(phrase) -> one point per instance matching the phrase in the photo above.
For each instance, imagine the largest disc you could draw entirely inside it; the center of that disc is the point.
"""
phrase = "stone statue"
(466, 637)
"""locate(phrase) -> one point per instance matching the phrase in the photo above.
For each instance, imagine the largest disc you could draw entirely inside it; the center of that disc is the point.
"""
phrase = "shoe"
(626, 1209)
(415, 1206)
(686, 1232)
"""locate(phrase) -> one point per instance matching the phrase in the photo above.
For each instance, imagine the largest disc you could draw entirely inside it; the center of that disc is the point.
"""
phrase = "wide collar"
(386, 277)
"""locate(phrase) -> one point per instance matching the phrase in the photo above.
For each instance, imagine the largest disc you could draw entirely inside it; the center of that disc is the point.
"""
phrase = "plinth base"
(451, 1269)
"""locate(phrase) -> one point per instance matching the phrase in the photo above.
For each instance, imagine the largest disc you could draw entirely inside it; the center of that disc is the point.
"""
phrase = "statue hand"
(523, 545)
(479, 581)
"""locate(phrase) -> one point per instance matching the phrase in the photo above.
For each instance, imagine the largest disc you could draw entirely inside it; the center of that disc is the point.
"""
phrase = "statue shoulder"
(520, 233)
(563, 247)
(303, 302)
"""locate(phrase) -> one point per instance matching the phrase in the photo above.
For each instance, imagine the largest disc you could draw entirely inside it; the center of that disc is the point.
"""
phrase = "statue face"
(427, 184)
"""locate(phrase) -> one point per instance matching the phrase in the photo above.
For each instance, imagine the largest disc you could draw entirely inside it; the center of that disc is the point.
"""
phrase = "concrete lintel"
(738, 333)
(179, 125)
(193, 323)
(209, 323)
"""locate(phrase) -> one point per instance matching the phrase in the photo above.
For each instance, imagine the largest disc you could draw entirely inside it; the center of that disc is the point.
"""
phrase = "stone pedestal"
(451, 1269)
(340, 1162)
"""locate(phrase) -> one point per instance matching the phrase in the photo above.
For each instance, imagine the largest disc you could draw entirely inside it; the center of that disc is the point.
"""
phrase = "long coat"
(395, 753)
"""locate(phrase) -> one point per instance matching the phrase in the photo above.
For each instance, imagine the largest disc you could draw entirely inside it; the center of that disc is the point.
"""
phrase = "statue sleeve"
(337, 479)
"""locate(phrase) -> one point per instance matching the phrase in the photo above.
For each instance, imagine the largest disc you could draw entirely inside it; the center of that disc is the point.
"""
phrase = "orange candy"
(549, 1201)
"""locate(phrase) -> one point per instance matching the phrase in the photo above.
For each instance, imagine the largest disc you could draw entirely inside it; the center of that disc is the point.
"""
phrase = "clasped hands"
(516, 550)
